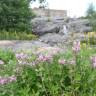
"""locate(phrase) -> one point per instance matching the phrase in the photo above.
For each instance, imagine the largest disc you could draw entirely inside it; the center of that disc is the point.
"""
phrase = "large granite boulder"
(43, 26)
(54, 39)
(79, 25)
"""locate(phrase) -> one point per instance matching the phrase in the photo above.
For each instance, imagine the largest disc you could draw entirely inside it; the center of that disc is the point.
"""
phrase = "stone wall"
(50, 12)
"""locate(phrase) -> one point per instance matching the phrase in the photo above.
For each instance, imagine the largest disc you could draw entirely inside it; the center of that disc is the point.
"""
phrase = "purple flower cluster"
(21, 56)
(1, 62)
(44, 58)
(93, 60)
(5, 80)
(76, 46)
(63, 61)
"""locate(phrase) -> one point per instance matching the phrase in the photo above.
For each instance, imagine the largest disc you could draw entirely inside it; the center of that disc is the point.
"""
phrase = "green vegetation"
(46, 78)
(90, 10)
(91, 15)
(16, 36)
(91, 41)
(16, 16)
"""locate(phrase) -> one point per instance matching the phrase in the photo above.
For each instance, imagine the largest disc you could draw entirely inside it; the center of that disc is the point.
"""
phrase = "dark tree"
(91, 15)
(90, 10)
(15, 15)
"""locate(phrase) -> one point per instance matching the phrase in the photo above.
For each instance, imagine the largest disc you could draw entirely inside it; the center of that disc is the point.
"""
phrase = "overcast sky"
(75, 8)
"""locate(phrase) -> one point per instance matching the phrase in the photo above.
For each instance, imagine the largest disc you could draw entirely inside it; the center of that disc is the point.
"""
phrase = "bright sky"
(75, 8)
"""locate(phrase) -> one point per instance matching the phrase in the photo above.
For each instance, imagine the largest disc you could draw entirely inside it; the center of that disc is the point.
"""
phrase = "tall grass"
(16, 36)
(90, 39)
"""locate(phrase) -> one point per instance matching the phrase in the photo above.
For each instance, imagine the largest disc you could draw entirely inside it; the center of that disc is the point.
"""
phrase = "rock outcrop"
(79, 25)
(42, 26)
(53, 38)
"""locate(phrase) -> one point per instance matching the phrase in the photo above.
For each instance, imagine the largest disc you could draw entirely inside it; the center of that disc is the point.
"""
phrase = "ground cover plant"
(72, 73)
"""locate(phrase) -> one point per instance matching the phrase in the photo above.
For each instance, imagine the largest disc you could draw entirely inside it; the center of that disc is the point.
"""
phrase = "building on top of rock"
(41, 12)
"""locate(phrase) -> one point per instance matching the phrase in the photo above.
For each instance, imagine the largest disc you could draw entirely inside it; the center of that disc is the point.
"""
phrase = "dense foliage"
(15, 15)
(68, 74)
(90, 10)
(91, 15)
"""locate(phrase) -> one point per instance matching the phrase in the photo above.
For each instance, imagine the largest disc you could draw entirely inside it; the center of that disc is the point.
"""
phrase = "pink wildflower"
(76, 46)
(1, 62)
(22, 62)
(62, 61)
(93, 60)
(5, 80)
(21, 56)
(44, 58)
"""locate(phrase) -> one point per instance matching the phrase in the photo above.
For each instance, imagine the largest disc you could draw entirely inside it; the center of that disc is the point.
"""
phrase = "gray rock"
(22, 45)
(79, 25)
(41, 27)
(35, 47)
(53, 38)
(63, 30)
